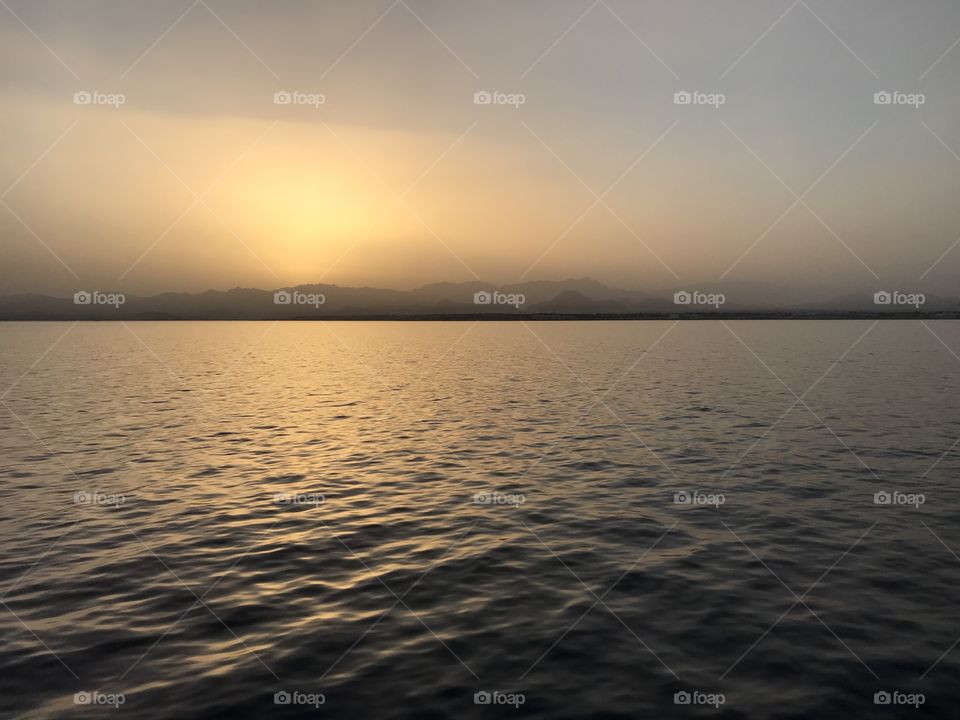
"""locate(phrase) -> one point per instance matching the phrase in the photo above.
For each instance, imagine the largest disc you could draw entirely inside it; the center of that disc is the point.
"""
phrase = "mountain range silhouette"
(572, 298)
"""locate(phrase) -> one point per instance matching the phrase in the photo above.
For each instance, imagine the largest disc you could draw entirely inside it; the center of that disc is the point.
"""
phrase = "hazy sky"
(199, 179)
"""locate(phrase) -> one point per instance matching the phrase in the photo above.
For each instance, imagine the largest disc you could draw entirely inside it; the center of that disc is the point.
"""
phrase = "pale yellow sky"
(200, 180)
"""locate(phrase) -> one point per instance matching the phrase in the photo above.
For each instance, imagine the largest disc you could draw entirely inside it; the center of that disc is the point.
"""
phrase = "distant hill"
(581, 297)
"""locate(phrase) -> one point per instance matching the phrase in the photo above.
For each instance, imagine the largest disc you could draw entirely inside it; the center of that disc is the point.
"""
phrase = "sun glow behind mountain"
(398, 177)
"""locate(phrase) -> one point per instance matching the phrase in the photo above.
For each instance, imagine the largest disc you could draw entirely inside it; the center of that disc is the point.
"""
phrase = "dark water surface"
(145, 552)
